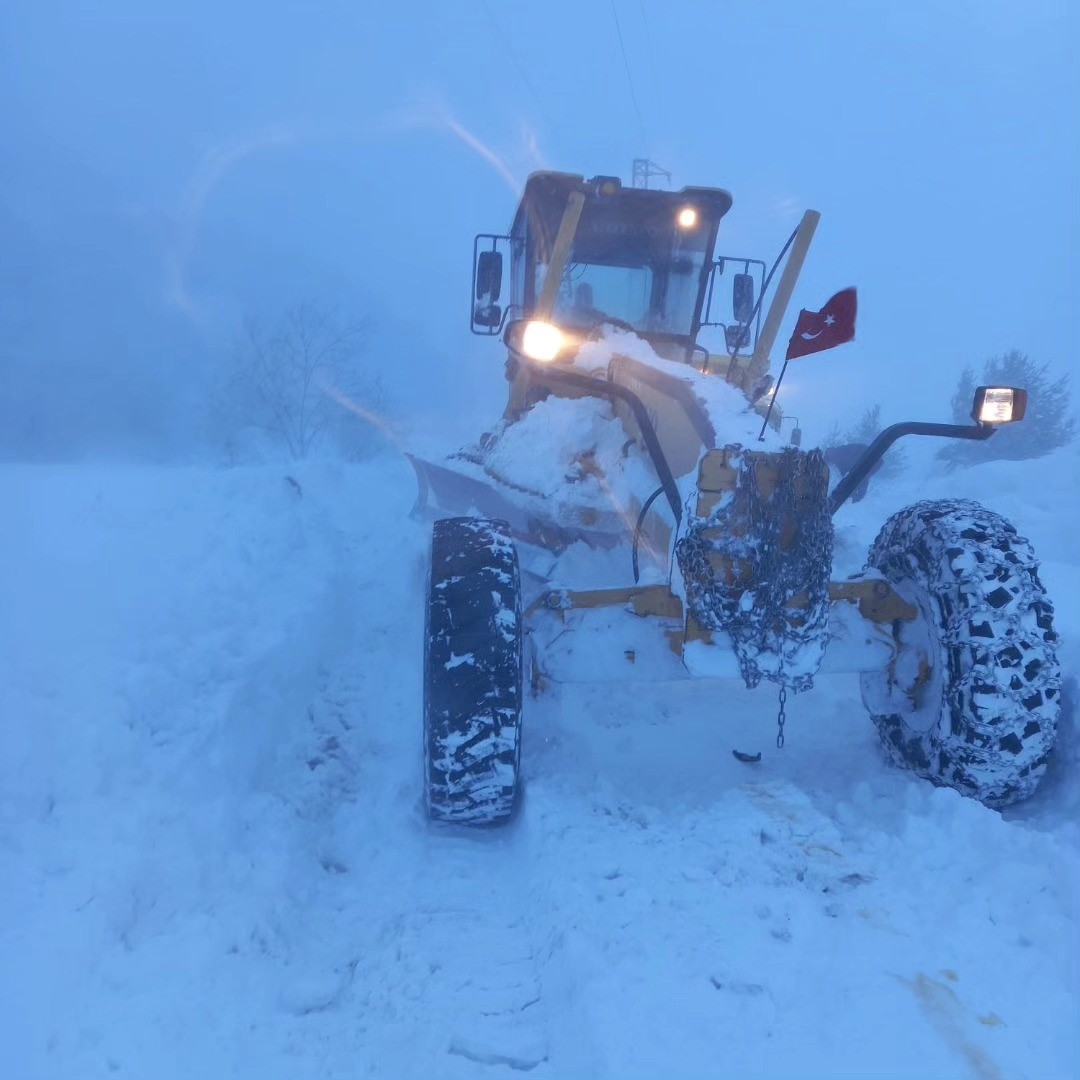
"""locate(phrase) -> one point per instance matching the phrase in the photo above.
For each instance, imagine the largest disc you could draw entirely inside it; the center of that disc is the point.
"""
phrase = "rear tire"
(981, 715)
(472, 673)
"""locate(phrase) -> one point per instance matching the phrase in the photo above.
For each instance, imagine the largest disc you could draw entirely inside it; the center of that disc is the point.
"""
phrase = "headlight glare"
(541, 341)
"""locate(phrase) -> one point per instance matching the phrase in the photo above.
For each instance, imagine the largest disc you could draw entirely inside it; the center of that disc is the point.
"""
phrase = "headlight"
(541, 341)
(999, 405)
(687, 218)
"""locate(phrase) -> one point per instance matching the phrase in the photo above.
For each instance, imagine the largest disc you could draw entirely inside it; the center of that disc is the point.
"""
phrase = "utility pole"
(644, 170)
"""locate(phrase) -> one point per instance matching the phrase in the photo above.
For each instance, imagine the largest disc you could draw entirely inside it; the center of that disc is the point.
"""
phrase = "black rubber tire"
(987, 722)
(472, 673)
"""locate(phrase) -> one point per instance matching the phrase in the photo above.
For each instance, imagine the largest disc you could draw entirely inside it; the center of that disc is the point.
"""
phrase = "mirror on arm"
(487, 286)
(742, 298)
(737, 336)
(489, 275)
(736, 312)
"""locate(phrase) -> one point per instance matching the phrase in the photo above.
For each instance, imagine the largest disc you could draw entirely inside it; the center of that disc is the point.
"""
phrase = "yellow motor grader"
(626, 518)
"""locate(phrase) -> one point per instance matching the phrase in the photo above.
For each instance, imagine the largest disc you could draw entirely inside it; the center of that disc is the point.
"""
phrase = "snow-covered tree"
(1048, 425)
(865, 430)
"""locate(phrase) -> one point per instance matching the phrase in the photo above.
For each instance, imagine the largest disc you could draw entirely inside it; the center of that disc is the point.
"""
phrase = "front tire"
(472, 673)
(973, 697)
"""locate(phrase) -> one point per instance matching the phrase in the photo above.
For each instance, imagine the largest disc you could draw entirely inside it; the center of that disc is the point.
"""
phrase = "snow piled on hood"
(732, 416)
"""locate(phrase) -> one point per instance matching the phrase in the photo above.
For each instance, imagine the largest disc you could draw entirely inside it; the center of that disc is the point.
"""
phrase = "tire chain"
(994, 623)
(975, 609)
(750, 534)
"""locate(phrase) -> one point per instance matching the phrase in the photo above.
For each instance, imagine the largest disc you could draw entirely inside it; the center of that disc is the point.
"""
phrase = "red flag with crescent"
(833, 325)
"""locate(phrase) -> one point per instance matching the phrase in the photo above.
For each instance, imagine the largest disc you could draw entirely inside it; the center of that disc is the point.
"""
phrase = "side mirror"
(487, 268)
(742, 298)
(715, 310)
(736, 337)
(489, 272)
(487, 315)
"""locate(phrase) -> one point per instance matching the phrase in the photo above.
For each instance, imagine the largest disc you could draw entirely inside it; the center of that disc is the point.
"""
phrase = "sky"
(169, 169)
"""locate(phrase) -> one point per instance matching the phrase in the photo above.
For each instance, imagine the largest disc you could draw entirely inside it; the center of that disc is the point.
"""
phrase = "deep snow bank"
(215, 862)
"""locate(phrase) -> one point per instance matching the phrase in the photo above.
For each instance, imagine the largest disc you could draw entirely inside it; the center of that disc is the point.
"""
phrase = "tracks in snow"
(469, 952)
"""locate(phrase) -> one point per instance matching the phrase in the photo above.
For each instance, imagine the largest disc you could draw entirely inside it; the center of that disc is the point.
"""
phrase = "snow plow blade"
(445, 492)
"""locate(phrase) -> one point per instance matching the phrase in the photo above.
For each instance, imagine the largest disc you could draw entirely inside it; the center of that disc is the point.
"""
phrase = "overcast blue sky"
(168, 167)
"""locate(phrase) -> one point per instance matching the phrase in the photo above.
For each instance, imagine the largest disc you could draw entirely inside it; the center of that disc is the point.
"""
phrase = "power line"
(652, 61)
(630, 79)
(517, 60)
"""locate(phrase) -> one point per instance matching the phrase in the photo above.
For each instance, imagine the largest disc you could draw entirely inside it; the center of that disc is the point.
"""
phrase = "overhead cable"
(522, 73)
(630, 79)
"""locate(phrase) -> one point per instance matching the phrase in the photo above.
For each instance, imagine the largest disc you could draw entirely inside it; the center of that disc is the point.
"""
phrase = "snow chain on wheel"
(472, 673)
(775, 547)
(973, 704)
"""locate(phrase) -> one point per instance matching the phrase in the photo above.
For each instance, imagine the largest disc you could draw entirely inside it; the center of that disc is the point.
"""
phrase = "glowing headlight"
(541, 341)
(687, 218)
(999, 405)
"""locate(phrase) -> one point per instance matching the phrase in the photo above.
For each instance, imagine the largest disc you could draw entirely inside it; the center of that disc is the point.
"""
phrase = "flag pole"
(772, 399)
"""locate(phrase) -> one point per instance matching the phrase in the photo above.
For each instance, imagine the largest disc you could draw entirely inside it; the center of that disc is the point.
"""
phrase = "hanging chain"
(766, 569)
(781, 716)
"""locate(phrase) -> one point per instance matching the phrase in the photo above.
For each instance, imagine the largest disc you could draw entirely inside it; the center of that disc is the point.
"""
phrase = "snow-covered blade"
(572, 468)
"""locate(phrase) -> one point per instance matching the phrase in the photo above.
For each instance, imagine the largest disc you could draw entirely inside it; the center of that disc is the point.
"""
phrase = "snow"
(216, 862)
(569, 453)
(726, 406)
(551, 449)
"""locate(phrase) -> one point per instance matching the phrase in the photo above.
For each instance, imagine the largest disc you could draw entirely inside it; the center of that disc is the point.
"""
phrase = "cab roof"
(544, 188)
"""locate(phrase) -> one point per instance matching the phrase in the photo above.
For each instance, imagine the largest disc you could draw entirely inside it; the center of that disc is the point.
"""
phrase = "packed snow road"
(216, 862)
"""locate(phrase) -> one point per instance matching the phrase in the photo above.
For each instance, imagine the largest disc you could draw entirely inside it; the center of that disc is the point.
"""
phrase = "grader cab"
(586, 253)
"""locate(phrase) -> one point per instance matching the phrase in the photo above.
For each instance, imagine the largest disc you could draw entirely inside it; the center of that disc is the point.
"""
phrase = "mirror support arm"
(876, 450)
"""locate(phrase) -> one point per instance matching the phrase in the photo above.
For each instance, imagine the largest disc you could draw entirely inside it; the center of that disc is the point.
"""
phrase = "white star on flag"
(816, 331)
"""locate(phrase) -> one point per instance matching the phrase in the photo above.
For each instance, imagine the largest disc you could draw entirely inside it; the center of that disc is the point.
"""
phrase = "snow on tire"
(981, 714)
(472, 673)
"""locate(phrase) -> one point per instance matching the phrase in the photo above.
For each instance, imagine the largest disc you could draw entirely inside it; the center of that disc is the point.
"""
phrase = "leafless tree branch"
(280, 375)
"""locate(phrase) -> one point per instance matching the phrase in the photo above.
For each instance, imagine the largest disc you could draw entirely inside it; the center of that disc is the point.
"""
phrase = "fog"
(170, 169)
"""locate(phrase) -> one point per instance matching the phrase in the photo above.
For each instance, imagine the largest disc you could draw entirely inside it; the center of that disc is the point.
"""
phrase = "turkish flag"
(816, 331)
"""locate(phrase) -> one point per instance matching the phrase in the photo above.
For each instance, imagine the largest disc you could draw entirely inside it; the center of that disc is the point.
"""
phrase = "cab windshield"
(648, 281)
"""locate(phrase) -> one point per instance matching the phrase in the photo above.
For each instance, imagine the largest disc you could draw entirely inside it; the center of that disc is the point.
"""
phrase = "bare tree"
(295, 379)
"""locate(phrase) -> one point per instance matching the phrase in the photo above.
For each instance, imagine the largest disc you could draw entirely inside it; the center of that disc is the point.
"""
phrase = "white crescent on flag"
(829, 320)
(833, 325)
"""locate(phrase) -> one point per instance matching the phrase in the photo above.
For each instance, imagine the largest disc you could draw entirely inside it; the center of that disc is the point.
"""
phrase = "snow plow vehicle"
(626, 519)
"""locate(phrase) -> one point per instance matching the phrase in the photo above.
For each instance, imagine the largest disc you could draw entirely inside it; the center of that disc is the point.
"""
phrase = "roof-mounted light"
(605, 185)
(687, 218)
(995, 405)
